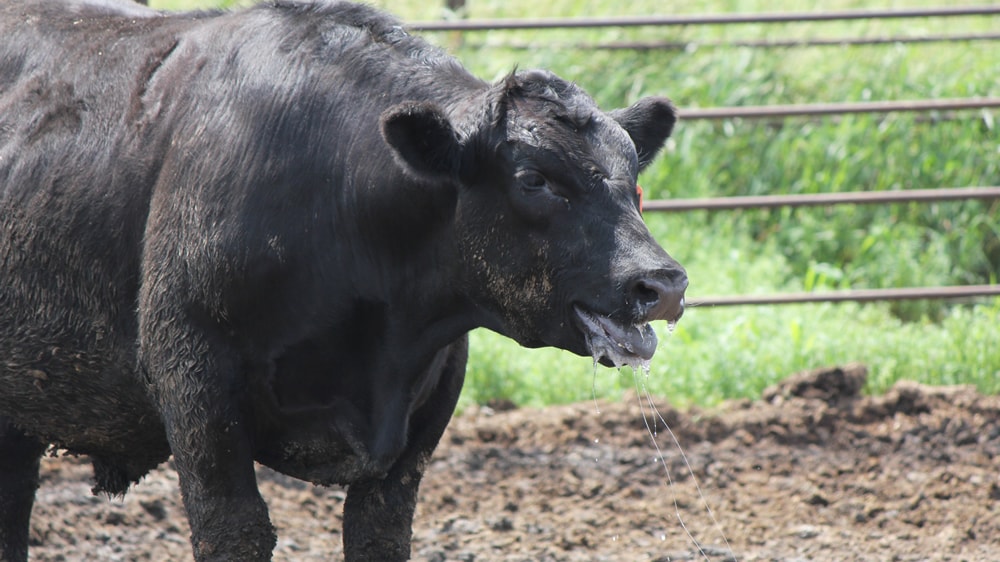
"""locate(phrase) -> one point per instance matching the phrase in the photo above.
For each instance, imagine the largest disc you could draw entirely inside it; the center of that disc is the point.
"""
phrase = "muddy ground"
(811, 471)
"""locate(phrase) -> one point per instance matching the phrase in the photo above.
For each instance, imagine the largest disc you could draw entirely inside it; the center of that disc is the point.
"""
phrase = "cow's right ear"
(423, 141)
(649, 123)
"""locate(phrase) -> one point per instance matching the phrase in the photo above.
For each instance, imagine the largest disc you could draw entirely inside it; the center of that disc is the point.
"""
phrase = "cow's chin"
(613, 344)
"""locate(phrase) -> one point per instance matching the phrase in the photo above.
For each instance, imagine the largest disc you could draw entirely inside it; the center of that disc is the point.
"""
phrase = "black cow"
(263, 235)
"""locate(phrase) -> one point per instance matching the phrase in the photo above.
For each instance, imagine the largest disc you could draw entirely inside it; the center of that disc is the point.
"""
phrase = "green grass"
(723, 353)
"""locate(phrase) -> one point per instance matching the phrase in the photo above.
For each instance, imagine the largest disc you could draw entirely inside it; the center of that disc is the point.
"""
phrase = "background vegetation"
(734, 352)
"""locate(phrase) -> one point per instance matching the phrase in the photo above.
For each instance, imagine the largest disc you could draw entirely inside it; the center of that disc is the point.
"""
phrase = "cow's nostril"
(645, 295)
(659, 298)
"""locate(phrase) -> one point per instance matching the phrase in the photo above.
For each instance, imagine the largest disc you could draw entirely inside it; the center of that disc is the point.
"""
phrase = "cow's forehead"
(576, 130)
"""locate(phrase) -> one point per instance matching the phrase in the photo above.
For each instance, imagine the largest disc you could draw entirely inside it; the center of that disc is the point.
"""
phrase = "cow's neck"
(345, 397)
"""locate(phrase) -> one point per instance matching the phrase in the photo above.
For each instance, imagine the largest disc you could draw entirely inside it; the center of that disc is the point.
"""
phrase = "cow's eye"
(535, 197)
(532, 181)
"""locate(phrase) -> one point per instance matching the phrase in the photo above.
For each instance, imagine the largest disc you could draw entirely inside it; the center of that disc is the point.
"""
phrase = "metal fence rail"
(855, 295)
(759, 44)
(819, 199)
(813, 109)
(709, 19)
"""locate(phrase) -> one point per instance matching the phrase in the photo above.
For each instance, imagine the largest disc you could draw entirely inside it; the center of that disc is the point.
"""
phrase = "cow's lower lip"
(621, 345)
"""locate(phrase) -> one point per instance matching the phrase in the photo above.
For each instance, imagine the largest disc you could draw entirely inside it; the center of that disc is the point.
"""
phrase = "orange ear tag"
(638, 189)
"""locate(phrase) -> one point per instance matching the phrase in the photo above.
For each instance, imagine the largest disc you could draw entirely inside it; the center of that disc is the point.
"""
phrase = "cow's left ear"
(423, 141)
(649, 122)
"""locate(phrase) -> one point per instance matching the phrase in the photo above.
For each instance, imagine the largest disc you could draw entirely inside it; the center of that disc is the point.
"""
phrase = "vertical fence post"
(457, 8)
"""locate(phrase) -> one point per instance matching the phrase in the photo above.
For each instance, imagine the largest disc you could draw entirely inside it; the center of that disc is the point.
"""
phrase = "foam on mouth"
(621, 345)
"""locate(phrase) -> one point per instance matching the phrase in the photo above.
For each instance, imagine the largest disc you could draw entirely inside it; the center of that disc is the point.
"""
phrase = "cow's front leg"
(196, 380)
(378, 519)
(378, 513)
(19, 456)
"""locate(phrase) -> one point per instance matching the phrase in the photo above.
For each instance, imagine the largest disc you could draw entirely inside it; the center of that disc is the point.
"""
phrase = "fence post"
(457, 8)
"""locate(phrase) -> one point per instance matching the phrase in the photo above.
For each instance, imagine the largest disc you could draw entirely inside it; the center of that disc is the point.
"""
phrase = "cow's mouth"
(614, 343)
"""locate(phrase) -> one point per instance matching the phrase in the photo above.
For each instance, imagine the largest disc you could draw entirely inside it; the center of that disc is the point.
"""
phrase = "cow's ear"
(423, 141)
(649, 122)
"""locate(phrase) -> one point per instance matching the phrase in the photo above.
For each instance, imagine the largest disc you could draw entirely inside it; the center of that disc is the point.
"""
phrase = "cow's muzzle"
(655, 296)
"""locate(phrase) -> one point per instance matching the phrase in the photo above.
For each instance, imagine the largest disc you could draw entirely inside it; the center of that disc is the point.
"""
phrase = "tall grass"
(735, 352)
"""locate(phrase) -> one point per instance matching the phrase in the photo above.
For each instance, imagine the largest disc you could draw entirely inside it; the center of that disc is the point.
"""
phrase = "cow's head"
(551, 243)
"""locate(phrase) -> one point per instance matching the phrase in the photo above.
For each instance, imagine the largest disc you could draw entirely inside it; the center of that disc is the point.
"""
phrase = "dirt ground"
(810, 471)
